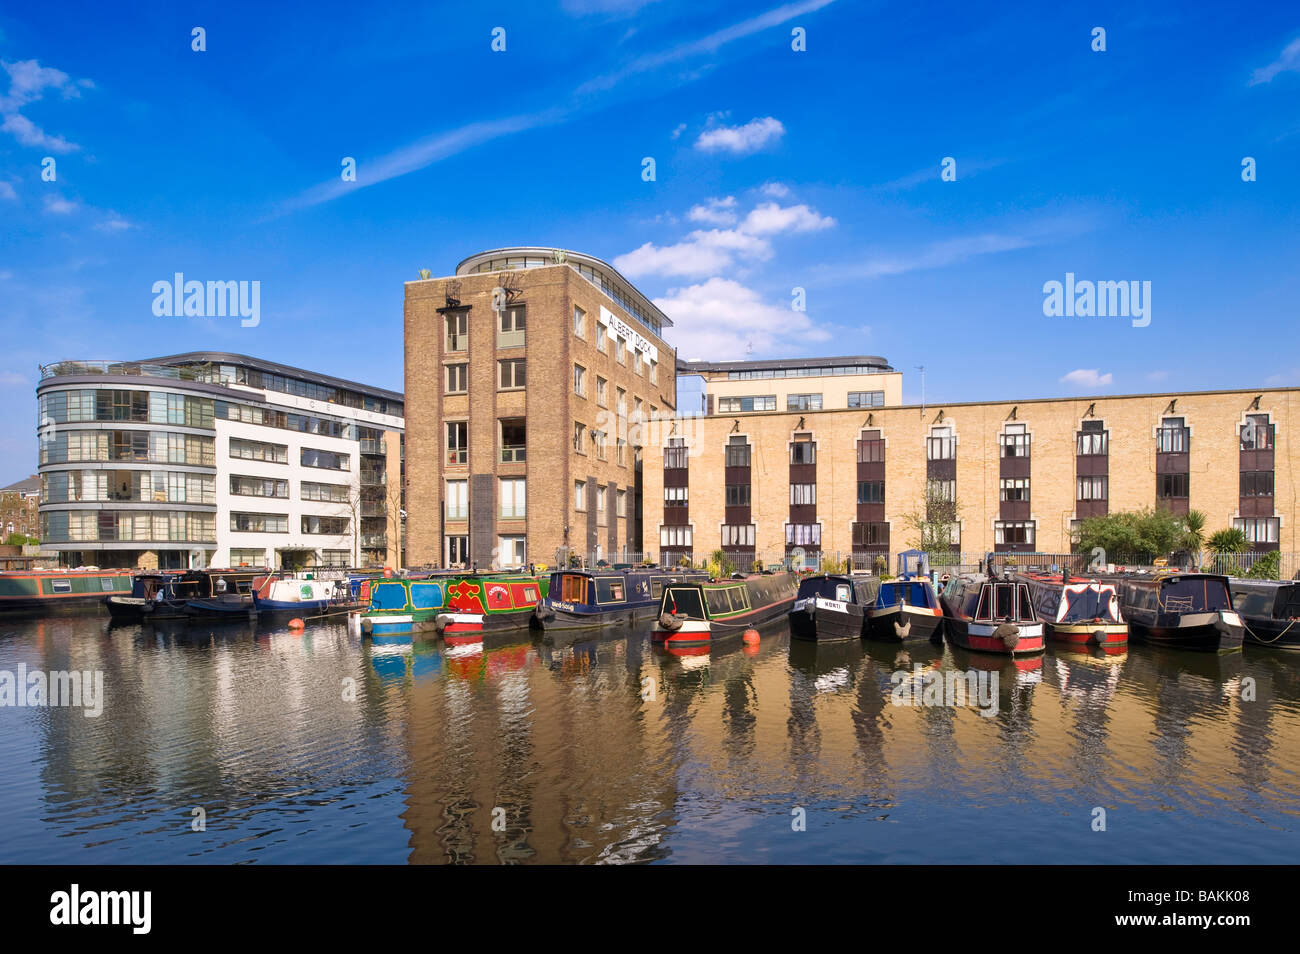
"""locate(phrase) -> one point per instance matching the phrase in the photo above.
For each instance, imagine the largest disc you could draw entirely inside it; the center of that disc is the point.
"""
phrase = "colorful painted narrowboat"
(53, 591)
(991, 614)
(831, 606)
(459, 608)
(1180, 610)
(905, 609)
(695, 614)
(586, 599)
(1270, 611)
(1078, 610)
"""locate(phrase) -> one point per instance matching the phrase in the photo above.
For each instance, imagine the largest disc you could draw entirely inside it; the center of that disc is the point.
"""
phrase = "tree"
(1266, 567)
(1131, 533)
(1229, 540)
(933, 528)
(1193, 537)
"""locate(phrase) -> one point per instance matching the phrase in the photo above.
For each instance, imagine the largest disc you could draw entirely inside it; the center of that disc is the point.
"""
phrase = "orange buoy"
(296, 623)
(388, 572)
(751, 637)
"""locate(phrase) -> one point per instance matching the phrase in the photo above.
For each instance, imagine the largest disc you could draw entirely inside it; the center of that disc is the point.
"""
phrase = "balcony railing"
(513, 455)
(372, 446)
(377, 541)
(204, 372)
(373, 478)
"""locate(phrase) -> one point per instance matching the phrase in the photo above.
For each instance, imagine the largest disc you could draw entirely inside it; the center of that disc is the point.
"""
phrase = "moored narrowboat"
(584, 599)
(991, 614)
(1077, 610)
(459, 608)
(54, 591)
(1180, 610)
(695, 614)
(832, 607)
(223, 593)
(303, 595)
(1269, 610)
(905, 609)
(154, 595)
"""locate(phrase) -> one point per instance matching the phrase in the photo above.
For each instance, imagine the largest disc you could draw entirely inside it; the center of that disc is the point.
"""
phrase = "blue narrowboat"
(905, 609)
(586, 599)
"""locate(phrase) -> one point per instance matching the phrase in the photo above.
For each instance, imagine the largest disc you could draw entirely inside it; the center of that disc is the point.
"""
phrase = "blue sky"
(775, 169)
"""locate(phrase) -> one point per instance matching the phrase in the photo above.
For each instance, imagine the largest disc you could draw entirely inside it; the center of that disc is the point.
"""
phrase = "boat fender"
(367, 626)
(543, 612)
(1099, 636)
(1009, 633)
(442, 621)
(670, 622)
(903, 630)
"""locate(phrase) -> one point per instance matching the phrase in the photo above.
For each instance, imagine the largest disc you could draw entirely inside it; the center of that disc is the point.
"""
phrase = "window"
(458, 500)
(457, 378)
(457, 442)
(327, 460)
(1015, 489)
(941, 489)
(1257, 483)
(514, 440)
(737, 495)
(511, 551)
(511, 333)
(675, 536)
(327, 526)
(675, 496)
(1015, 441)
(1013, 531)
(871, 534)
(256, 450)
(1090, 488)
(330, 493)
(579, 437)
(1258, 529)
(259, 522)
(871, 450)
(512, 497)
(1172, 437)
(803, 450)
(600, 500)
(620, 447)
(803, 534)
(737, 452)
(871, 491)
(636, 361)
(579, 495)
(675, 454)
(579, 322)
(620, 407)
(866, 399)
(1171, 485)
(803, 494)
(941, 444)
(457, 327)
(1257, 433)
(602, 392)
(738, 535)
(602, 449)
(457, 550)
(242, 486)
(620, 501)
(580, 380)
(803, 402)
(510, 374)
(602, 337)
(246, 557)
(1092, 440)
(336, 557)
(620, 350)
(736, 405)
(654, 371)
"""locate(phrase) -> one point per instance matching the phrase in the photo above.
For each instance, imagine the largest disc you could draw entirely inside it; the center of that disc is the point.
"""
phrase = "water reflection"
(601, 747)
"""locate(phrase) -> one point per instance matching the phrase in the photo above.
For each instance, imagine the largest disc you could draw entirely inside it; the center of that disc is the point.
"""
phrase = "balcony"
(374, 447)
(373, 509)
(375, 541)
(373, 478)
(204, 372)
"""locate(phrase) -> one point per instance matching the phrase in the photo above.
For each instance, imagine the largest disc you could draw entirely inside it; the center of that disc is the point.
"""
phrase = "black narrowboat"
(831, 606)
(1269, 611)
(1180, 610)
(588, 599)
(223, 593)
(906, 608)
(991, 614)
(155, 595)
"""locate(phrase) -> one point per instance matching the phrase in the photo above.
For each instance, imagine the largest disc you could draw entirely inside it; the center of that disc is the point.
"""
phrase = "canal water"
(250, 744)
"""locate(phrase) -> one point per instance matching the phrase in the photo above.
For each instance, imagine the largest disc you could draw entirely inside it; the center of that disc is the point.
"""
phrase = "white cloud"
(715, 211)
(778, 190)
(58, 205)
(770, 218)
(28, 82)
(1288, 62)
(1087, 378)
(720, 318)
(741, 140)
(681, 128)
(114, 223)
(7, 191)
(617, 8)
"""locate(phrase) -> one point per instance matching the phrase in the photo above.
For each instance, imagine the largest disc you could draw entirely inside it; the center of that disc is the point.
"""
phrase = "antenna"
(921, 368)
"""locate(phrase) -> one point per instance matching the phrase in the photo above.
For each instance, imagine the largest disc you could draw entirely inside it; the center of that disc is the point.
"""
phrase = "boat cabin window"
(827, 589)
(718, 600)
(1026, 608)
(843, 592)
(656, 587)
(572, 588)
(684, 601)
(1005, 601)
(61, 586)
(609, 589)
(985, 610)
(1254, 602)
(1288, 603)
(1204, 595)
